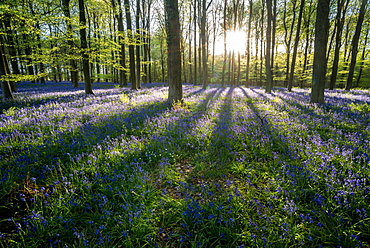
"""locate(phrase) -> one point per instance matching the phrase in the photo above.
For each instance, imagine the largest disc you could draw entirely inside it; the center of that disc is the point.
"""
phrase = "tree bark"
(307, 42)
(225, 46)
(122, 60)
(288, 37)
(131, 48)
(204, 45)
(175, 93)
(4, 70)
(84, 47)
(319, 61)
(355, 45)
(195, 42)
(268, 47)
(338, 41)
(249, 43)
(138, 46)
(295, 48)
(73, 63)
(362, 58)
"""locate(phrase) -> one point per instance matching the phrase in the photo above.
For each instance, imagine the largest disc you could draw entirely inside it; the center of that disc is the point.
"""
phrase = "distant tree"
(295, 47)
(203, 36)
(355, 40)
(73, 62)
(119, 15)
(138, 46)
(319, 61)
(131, 47)
(4, 70)
(268, 47)
(364, 51)
(289, 14)
(84, 47)
(174, 54)
(339, 21)
(249, 43)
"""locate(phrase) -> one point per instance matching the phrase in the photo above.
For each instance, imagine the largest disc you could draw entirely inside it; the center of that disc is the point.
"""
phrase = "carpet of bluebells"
(233, 167)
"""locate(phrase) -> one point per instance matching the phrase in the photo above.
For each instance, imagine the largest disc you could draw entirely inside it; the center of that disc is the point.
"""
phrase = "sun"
(236, 41)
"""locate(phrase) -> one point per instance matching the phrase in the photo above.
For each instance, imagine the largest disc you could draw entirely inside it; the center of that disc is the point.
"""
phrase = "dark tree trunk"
(288, 37)
(307, 42)
(362, 58)
(295, 48)
(73, 62)
(195, 42)
(131, 48)
(122, 61)
(174, 54)
(319, 60)
(355, 45)
(338, 41)
(204, 45)
(249, 42)
(273, 37)
(28, 52)
(12, 44)
(4, 70)
(225, 46)
(138, 41)
(268, 47)
(84, 47)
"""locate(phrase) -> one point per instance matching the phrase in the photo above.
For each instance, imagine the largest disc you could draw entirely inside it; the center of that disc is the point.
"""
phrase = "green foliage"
(363, 108)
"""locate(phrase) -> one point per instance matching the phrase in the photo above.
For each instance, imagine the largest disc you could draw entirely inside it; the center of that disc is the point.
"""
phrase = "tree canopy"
(126, 42)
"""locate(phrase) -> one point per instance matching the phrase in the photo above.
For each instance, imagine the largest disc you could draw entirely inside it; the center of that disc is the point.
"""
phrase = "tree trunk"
(122, 60)
(11, 49)
(295, 48)
(204, 45)
(362, 58)
(138, 41)
(249, 43)
(319, 61)
(28, 58)
(338, 41)
(288, 37)
(11, 41)
(307, 42)
(268, 47)
(73, 63)
(175, 94)
(131, 48)
(355, 45)
(190, 54)
(225, 46)
(273, 37)
(195, 42)
(4, 70)
(84, 47)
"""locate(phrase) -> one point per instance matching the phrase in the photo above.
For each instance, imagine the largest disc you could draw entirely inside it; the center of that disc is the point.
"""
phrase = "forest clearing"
(232, 167)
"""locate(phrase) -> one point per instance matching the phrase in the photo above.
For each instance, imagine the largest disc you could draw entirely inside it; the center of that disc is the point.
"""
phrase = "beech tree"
(131, 45)
(295, 47)
(175, 94)
(268, 47)
(84, 47)
(319, 61)
(71, 49)
(355, 44)
(4, 71)
(117, 8)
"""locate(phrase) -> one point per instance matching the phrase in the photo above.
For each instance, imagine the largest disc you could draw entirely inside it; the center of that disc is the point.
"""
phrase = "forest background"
(222, 42)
